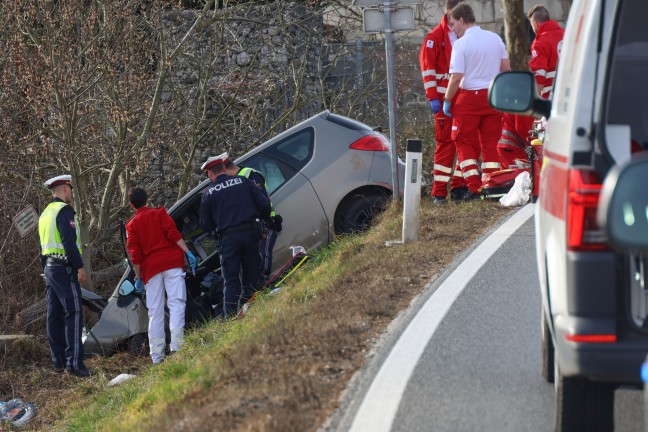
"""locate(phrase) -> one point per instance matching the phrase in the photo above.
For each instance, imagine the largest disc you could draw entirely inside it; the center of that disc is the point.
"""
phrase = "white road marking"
(380, 404)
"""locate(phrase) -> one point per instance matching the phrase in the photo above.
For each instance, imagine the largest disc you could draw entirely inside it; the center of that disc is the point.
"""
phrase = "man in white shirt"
(477, 57)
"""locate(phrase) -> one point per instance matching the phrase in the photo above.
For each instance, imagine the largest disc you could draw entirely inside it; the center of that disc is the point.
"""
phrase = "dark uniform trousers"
(265, 248)
(64, 316)
(240, 262)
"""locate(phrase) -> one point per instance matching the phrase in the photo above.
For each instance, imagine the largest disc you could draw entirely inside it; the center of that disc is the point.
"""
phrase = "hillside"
(280, 368)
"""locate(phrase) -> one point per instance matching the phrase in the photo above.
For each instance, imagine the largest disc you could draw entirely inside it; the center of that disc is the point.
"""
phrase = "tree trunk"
(515, 33)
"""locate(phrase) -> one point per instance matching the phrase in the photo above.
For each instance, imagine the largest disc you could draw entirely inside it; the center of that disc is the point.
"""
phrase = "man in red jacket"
(434, 58)
(545, 48)
(155, 246)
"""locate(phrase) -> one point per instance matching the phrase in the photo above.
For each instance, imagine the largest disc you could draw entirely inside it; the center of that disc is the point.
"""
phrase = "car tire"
(138, 345)
(548, 351)
(583, 405)
(359, 212)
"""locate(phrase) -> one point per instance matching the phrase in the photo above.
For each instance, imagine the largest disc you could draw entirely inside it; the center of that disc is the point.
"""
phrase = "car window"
(276, 173)
(627, 93)
(295, 150)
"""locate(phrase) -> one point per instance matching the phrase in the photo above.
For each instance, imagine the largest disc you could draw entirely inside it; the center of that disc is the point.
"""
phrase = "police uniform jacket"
(67, 229)
(231, 201)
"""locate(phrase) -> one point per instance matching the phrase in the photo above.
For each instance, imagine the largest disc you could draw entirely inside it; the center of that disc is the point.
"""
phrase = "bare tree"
(515, 31)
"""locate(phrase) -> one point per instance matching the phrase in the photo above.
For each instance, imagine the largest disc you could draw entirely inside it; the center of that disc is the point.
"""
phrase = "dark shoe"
(83, 372)
(59, 369)
(471, 196)
(458, 193)
(439, 200)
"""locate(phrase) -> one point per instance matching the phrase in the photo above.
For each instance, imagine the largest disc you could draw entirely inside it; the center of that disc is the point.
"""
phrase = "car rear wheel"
(358, 213)
(583, 405)
(547, 350)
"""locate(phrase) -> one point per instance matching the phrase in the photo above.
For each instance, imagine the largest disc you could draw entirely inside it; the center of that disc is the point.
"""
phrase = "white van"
(594, 298)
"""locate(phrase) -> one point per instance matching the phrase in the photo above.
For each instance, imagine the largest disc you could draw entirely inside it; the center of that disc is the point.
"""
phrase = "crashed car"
(327, 176)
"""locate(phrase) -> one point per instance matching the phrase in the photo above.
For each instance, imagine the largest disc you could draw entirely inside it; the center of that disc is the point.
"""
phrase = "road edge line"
(381, 402)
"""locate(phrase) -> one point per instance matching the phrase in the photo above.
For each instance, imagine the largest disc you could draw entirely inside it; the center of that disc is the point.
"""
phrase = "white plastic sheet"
(520, 191)
(120, 379)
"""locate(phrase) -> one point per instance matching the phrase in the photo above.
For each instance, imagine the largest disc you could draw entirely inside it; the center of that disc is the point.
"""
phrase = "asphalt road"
(480, 370)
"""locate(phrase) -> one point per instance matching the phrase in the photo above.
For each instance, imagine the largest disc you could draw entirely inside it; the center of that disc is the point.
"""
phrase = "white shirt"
(478, 54)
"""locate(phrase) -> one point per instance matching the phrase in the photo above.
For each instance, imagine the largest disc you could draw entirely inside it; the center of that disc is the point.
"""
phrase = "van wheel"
(358, 213)
(138, 345)
(547, 350)
(583, 405)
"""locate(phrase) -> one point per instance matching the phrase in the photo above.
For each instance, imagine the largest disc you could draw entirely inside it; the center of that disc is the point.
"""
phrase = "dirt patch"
(289, 376)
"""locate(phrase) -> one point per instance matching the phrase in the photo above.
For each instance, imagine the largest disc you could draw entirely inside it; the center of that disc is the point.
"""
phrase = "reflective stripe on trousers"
(476, 128)
(444, 158)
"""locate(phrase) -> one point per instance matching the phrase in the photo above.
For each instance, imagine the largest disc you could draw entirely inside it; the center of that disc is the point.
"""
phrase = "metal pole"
(391, 96)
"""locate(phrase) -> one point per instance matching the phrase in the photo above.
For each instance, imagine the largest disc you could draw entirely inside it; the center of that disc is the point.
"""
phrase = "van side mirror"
(623, 207)
(515, 92)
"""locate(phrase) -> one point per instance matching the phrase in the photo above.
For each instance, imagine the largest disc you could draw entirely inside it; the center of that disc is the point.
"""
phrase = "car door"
(292, 195)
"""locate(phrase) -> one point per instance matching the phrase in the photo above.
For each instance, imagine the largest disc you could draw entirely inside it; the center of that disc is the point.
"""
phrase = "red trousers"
(444, 158)
(508, 154)
(475, 126)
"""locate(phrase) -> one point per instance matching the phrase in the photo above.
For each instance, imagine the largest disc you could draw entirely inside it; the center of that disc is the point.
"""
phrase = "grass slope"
(282, 367)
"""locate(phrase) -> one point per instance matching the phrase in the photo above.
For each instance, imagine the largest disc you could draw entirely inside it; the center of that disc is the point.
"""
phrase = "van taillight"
(372, 142)
(583, 233)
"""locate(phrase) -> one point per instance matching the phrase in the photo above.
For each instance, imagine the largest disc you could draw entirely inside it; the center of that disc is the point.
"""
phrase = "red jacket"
(435, 60)
(151, 238)
(545, 51)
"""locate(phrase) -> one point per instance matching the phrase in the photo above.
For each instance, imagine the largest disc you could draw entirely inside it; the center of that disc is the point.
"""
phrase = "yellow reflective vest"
(245, 172)
(50, 237)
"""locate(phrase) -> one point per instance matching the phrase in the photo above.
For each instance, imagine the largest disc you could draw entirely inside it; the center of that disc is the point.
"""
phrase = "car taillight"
(591, 338)
(372, 142)
(583, 233)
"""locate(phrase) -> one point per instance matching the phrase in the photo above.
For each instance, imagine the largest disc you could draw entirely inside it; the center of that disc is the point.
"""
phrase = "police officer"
(60, 240)
(273, 225)
(231, 207)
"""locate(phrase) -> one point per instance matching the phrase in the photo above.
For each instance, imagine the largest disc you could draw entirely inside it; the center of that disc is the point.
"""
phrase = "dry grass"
(284, 366)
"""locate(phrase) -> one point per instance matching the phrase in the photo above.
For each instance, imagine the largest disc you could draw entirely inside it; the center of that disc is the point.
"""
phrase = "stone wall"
(249, 68)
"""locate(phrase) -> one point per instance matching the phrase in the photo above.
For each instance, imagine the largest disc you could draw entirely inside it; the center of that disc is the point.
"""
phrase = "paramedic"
(514, 139)
(273, 225)
(156, 249)
(434, 58)
(477, 57)
(232, 207)
(60, 240)
(545, 49)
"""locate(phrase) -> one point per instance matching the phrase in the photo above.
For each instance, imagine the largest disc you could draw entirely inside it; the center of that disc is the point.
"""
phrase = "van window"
(627, 92)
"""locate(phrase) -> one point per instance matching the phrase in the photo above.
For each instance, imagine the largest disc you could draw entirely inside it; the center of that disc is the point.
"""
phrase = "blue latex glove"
(435, 105)
(139, 285)
(192, 262)
(446, 108)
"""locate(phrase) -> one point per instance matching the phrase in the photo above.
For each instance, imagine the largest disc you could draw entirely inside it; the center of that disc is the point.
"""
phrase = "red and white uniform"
(434, 58)
(545, 51)
(514, 139)
(478, 55)
(152, 238)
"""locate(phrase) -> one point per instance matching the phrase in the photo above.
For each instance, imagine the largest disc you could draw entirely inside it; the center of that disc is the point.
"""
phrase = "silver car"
(328, 175)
